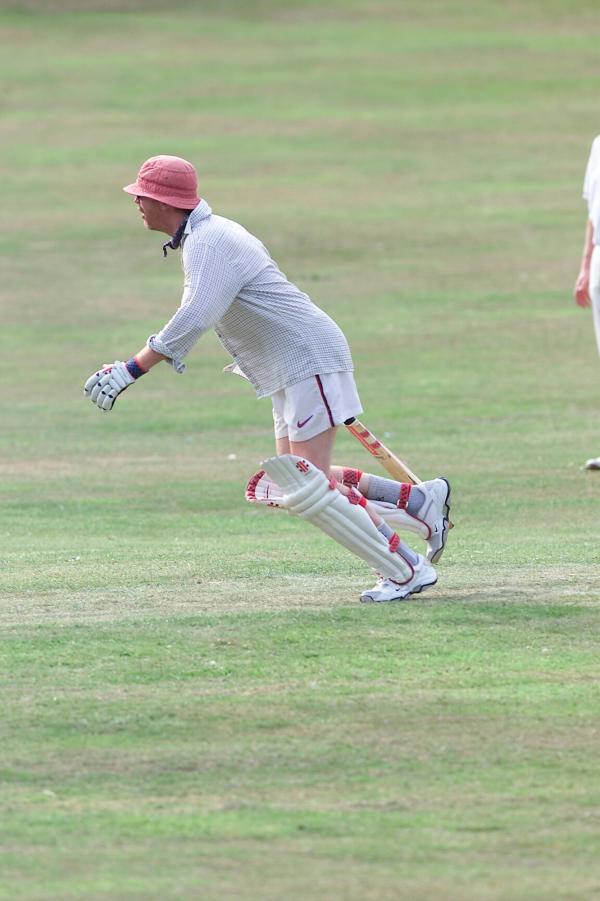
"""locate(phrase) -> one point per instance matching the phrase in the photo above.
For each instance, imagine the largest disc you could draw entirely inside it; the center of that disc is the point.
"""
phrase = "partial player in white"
(587, 285)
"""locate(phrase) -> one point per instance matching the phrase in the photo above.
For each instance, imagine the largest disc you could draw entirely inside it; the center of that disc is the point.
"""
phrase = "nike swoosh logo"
(300, 425)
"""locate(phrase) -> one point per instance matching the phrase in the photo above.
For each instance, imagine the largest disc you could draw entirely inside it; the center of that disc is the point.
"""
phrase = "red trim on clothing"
(327, 407)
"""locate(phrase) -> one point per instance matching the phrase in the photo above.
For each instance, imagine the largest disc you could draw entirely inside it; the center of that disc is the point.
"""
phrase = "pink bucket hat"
(168, 179)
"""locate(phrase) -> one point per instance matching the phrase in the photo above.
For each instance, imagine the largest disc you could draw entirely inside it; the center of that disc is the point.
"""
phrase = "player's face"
(152, 212)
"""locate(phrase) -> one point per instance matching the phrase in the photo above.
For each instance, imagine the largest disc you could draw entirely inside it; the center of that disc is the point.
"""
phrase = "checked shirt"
(274, 332)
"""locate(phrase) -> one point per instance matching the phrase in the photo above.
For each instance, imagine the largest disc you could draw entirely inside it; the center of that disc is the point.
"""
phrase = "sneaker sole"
(445, 528)
(404, 597)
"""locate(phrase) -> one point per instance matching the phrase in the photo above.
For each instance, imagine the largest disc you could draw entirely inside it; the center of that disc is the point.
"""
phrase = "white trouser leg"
(595, 290)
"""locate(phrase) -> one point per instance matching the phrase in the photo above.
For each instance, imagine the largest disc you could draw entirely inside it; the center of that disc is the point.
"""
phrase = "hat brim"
(132, 189)
(181, 203)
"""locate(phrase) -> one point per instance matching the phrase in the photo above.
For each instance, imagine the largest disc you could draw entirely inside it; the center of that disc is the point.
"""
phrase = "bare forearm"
(582, 285)
(147, 358)
(588, 245)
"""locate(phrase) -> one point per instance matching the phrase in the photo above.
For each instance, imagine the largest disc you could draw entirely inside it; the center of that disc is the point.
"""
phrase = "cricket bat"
(396, 467)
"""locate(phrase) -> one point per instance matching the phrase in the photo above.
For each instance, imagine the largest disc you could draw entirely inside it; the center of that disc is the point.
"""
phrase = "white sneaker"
(594, 463)
(387, 590)
(434, 513)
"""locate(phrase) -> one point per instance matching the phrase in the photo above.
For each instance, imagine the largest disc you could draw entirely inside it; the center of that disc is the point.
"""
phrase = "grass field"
(194, 704)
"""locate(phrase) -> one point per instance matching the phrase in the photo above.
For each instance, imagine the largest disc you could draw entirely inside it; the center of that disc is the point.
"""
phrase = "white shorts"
(314, 405)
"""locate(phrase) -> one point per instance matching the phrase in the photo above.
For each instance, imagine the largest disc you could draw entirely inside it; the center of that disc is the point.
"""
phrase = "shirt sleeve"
(211, 285)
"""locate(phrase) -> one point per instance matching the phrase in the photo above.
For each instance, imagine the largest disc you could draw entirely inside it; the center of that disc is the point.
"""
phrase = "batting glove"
(104, 386)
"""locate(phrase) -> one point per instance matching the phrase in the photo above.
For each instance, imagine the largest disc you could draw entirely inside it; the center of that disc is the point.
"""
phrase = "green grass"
(194, 705)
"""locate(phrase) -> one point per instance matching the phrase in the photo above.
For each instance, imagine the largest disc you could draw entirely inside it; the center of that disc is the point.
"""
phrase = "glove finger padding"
(107, 398)
(92, 382)
(98, 387)
(120, 377)
(104, 386)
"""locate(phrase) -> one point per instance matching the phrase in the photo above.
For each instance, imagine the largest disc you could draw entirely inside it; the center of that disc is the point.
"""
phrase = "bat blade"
(390, 462)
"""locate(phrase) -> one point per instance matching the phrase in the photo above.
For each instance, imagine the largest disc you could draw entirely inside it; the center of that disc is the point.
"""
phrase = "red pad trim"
(405, 490)
(351, 477)
(394, 542)
(355, 497)
(251, 486)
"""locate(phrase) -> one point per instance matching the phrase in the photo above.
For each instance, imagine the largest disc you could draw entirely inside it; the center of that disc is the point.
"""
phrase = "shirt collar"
(200, 212)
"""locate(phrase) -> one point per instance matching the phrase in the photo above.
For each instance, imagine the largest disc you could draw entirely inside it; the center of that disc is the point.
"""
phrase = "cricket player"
(294, 353)
(587, 286)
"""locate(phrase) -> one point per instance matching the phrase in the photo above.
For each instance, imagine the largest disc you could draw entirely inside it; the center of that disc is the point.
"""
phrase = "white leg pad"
(308, 493)
(400, 519)
(262, 489)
